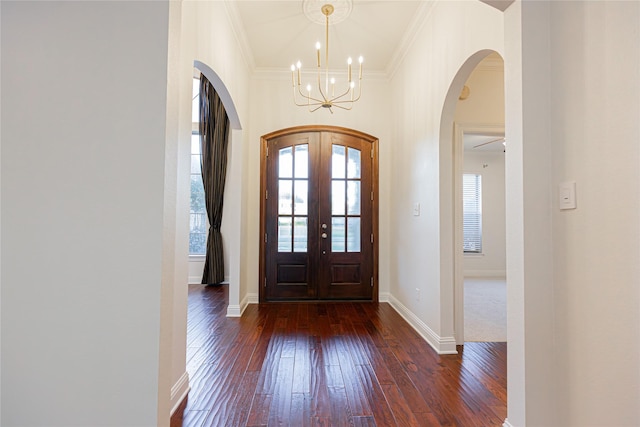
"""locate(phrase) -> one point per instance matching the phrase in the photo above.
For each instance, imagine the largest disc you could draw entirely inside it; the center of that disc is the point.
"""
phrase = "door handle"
(324, 235)
(324, 226)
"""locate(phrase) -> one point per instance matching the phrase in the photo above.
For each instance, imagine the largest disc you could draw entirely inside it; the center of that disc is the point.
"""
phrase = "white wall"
(82, 196)
(595, 140)
(572, 73)
(204, 33)
(492, 261)
(272, 109)
(422, 169)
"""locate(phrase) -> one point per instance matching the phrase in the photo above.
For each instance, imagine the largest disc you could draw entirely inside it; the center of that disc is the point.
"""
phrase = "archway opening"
(483, 114)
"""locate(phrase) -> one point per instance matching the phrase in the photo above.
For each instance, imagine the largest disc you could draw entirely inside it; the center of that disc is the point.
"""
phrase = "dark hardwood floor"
(330, 364)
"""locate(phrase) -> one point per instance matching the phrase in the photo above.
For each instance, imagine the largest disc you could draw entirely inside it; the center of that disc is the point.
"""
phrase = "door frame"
(264, 140)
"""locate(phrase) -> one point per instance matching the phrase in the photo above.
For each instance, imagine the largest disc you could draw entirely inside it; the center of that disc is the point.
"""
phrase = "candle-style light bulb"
(333, 87)
(360, 60)
(293, 76)
(318, 52)
(299, 65)
(349, 68)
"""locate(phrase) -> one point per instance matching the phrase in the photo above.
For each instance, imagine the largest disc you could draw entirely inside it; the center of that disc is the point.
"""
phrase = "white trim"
(410, 36)
(384, 297)
(507, 423)
(223, 93)
(234, 311)
(241, 34)
(284, 73)
(485, 273)
(196, 280)
(442, 345)
(249, 298)
(179, 391)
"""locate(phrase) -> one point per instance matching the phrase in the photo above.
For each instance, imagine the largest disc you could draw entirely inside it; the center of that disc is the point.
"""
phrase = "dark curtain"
(214, 140)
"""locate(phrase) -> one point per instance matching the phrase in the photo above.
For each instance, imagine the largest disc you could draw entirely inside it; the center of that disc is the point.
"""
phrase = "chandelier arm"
(308, 103)
(345, 93)
(337, 101)
(343, 107)
(308, 97)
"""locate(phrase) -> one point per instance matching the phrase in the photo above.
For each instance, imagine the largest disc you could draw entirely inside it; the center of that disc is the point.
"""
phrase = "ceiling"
(275, 34)
(482, 142)
(278, 33)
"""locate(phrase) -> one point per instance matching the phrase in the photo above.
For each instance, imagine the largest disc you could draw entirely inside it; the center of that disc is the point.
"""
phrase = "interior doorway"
(479, 151)
(319, 215)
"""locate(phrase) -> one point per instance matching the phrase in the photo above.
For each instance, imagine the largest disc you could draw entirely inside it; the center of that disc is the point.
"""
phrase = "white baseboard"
(506, 423)
(442, 345)
(249, 298)
(179, 391)
(234, 311)
(383, 297)
(195, 280)
(485, 273)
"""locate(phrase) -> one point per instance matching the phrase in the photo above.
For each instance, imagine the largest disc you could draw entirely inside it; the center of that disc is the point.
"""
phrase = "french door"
(318, 215)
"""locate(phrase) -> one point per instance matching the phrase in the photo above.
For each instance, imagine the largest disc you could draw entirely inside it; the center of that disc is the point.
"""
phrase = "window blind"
(472, 213)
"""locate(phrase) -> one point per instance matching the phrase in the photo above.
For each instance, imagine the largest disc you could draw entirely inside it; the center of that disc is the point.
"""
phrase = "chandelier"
(326, 96)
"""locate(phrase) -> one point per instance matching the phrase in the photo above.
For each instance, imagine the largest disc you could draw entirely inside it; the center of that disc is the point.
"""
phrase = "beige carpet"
(485, 309)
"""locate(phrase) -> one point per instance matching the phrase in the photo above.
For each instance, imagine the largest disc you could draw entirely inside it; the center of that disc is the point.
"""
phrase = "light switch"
(416, 209)
(567, 195)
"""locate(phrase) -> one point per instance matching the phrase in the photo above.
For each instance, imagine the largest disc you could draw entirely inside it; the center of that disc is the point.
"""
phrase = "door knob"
(324, 226)
(324, 235)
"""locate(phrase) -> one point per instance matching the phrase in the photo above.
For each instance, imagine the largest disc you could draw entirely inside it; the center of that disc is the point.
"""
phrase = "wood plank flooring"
(330, 364)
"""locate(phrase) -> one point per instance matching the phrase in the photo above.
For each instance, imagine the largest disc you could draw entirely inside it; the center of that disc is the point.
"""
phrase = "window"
(197, 213)
(472, 213)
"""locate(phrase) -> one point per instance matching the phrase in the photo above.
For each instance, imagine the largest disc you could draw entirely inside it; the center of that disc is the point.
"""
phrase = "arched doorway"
(451, 210)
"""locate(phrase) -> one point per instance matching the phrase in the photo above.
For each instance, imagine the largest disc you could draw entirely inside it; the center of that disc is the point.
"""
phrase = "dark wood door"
(318, 215)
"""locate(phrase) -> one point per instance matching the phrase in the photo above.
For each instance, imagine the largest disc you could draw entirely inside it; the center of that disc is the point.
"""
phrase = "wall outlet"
(416, 209)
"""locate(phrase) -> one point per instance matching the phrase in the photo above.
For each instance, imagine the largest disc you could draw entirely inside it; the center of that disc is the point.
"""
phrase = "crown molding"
(264, 73)
(409, 37)
(240, 34)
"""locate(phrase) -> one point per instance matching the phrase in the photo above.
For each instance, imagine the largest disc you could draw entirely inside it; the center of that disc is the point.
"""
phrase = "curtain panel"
(214, 141)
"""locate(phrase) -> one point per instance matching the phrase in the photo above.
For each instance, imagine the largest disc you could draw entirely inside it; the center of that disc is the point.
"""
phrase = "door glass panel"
(285, 163)
(353, 165)
(337, 234)
(337, 197)
(353, 234)
(301, 197)
(300, 235)
(302, 161)
(284, 196)
(353, 197)
(338, 161)
(284, 234)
